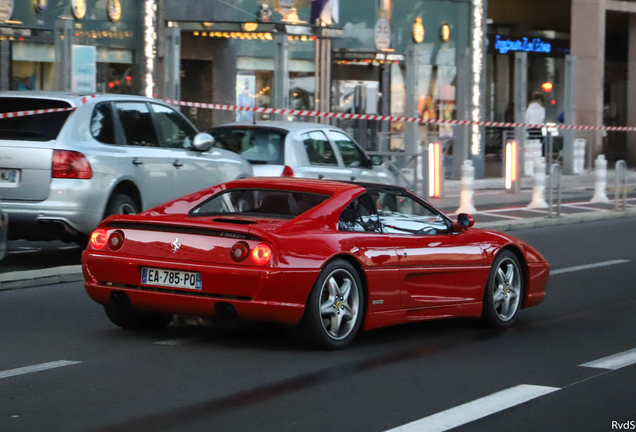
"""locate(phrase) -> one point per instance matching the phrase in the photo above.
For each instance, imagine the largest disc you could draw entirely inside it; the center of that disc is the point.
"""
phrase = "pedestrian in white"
(535, 114)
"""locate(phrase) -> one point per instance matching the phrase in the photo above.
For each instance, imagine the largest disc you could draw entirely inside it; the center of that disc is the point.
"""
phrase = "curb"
(50, 276)
(569, 219)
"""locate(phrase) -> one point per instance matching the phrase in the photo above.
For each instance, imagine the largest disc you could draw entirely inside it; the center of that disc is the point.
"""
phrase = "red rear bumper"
(259, 294)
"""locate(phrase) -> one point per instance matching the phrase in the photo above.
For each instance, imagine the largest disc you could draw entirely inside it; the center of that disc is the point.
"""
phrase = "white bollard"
(538, 192)
(578, 165)
(468, 181)
(600, 186)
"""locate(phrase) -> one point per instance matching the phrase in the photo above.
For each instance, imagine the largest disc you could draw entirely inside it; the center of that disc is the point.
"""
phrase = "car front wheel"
(504, 291)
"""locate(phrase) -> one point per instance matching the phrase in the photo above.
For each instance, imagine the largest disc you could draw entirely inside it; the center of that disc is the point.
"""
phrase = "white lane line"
(587, 266)
(175, 342)
(36, 368)
(583, 207)
(68, 247)
(488, 213)
(476, 409)
(614, 362)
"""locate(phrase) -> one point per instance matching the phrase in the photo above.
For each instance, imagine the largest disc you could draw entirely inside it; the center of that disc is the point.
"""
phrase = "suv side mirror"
(376, 160)
(203, 142)
(465, 221)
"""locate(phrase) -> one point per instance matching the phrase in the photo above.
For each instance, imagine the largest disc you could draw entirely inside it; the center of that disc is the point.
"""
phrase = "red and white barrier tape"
(392, 118)
(304, 113)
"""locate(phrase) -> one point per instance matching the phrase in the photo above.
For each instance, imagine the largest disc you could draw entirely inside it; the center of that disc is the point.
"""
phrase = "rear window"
(258, 146)
(260, 202)
(41, 127)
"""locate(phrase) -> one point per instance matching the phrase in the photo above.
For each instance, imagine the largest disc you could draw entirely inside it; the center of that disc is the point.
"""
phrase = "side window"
(175, 130)
(102, 124)
(350, 152)
(401, 214)
(360, 216)
(136, 120)
(319, 149)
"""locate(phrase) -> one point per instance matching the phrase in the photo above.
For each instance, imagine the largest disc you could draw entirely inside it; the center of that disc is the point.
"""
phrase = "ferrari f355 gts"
(325, 257)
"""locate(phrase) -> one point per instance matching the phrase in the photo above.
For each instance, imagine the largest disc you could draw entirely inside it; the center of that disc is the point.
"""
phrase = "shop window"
(319, 149)
(176, 132)
(136, 120)
(102, 124)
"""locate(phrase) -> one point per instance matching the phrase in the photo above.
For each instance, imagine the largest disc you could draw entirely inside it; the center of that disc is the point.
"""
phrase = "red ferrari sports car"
(329, 258)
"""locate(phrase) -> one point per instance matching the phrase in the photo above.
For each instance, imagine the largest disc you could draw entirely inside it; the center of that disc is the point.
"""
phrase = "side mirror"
(376, 160)
(465, 221)
(203, 142)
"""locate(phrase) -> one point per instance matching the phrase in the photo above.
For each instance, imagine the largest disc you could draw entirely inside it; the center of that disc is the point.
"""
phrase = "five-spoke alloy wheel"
(504, 291)
(335, 307)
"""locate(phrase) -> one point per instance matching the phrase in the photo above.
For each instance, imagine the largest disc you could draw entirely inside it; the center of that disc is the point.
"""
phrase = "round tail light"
(99, 238)
(240, 251)
(262, 254)
(116, 240)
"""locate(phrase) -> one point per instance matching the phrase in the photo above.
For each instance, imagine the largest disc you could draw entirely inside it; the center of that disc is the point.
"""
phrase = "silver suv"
(305, 150)
(62, 173)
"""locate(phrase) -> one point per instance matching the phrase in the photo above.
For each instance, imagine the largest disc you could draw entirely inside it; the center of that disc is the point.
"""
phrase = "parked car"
(331, 258)
(304, 150)
(4, 228)
(62, 173)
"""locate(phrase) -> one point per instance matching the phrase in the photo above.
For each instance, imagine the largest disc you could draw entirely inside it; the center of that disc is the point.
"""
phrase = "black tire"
(129, 318)
(121, 204)
(314, 328)
(504, 292)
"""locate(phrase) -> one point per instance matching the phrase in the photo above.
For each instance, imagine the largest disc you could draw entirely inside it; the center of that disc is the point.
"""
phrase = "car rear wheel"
(335, 308)
(504, 291)
(121, 204)
(129, 318)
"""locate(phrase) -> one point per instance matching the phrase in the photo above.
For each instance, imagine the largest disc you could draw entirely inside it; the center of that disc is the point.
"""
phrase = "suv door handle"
(177, 163)
(136, 161)
(320, 176)
(353, 178)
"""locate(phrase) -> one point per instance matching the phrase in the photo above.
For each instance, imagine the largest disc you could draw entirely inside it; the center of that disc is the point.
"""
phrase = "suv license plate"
(171, 278)
(9, 178)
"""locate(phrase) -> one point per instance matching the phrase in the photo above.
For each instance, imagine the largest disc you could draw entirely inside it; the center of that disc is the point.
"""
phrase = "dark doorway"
(196, 86)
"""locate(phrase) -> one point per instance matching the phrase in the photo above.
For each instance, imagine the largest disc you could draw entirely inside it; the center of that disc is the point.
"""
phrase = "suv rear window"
(260, 202)
(40, 127)
(258, 146)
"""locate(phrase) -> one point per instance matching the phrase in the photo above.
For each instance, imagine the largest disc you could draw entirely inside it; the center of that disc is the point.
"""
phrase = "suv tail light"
(287, 172)
(99, 238)
(71, 164)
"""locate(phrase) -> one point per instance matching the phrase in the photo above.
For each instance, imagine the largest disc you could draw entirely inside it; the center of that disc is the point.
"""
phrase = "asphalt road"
(188, 378)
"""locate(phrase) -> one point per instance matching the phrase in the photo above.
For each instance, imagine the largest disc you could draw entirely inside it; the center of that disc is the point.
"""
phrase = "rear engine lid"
(26, 147)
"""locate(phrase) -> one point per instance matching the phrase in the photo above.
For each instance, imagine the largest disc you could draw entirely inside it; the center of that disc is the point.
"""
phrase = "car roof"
(73, 98)
(283, 125)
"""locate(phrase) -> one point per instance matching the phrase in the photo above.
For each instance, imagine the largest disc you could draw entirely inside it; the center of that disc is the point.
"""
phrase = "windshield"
(41, 127)
(257, 145)
(259, 202)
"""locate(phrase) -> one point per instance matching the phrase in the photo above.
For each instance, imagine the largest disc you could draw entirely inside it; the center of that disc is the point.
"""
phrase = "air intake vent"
(235, 221)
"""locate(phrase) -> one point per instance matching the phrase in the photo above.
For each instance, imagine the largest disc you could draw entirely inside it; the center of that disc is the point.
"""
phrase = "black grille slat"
(182, 230)
(174, 291)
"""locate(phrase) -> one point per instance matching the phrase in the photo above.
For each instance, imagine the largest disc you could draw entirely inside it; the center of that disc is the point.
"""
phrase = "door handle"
(136, 161)
(320, 176)
(178, 164)
(353, 178)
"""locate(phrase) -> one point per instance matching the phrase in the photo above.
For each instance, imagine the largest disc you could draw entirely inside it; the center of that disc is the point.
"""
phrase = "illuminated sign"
(150, 45)
(535, 45)
(435, 170)
(418, 31)
(511, 164)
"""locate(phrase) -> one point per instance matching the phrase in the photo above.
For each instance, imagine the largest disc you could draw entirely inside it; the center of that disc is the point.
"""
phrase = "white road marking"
(587, 267)
(175, 342)
(614, 362)
(476, 409)
(68, 247)
(23, 251)
(488, 213)
(36, 368)
(583, 207)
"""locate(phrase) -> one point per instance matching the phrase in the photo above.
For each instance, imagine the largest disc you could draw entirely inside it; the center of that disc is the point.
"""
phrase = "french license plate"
(9, 178)
(171, 278)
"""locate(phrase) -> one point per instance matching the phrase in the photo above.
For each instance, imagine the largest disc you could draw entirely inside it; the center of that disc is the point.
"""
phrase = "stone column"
(588, 44)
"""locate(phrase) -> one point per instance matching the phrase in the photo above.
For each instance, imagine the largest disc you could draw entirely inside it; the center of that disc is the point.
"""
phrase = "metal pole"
(5, 65)
(555, 177)
(621, 180)
(281, 72)
(172, 63)
(63, 55)
(569, 113)
(520, 103)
